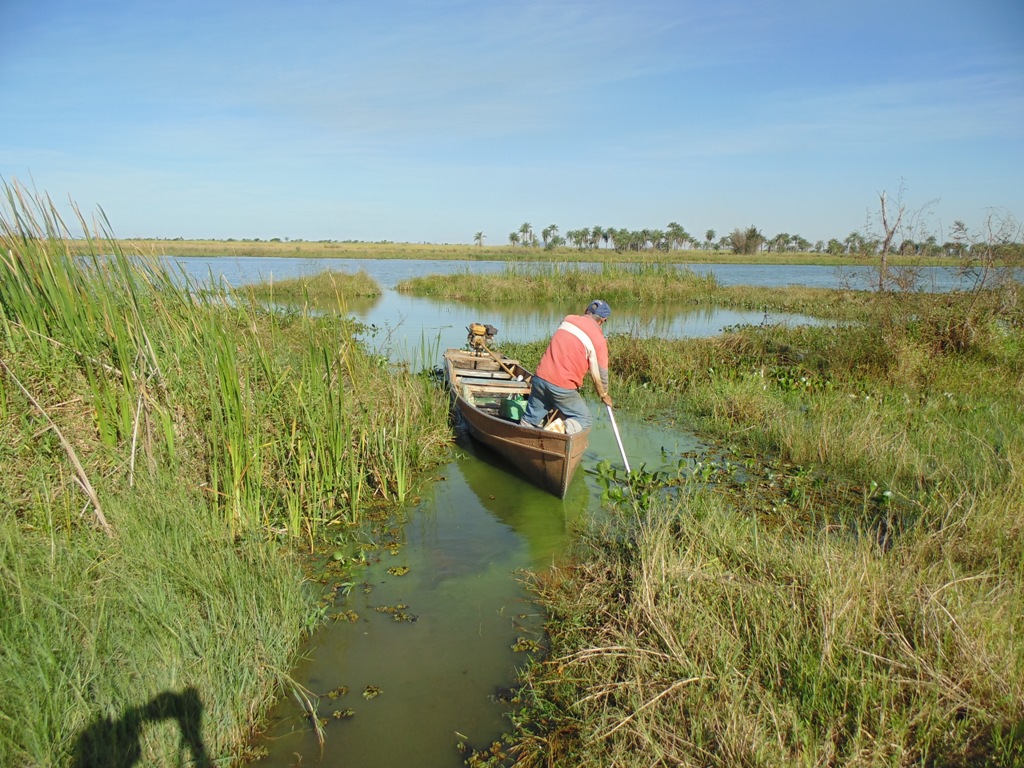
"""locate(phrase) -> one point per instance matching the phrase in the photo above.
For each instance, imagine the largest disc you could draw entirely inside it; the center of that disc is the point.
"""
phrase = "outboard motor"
(479, 335)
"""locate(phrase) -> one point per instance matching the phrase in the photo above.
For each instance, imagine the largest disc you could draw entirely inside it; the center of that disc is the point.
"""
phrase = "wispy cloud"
(593, 104)
(968, 108)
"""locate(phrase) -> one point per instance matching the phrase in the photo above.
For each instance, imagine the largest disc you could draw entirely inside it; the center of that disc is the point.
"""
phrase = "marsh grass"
(862, 603)
(835, 303)
(564, 283)
(162, 447)
(871, 401)
(161, 370)
(94, 629)
(324, 289)
(709, 638)
(645, 285)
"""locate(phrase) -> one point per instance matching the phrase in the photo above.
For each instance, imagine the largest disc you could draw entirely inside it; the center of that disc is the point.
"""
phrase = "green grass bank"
(324, 289)
(167, 452)
(635, 286)
(650, 284)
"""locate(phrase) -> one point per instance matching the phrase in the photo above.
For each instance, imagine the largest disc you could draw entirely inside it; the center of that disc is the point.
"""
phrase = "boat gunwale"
(529, 444)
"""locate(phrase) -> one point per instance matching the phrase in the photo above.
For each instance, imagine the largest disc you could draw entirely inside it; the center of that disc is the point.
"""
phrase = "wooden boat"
(479, 381)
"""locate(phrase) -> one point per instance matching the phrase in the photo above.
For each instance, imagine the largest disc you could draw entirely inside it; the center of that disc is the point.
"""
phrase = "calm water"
(441, 676)
(465, 543)
(404, 324)
(388, 272)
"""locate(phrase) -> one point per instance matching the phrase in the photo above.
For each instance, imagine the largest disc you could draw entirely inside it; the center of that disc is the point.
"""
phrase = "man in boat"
(578, 347)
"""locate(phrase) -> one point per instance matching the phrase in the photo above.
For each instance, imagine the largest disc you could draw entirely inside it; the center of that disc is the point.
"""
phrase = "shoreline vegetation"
(173, 458)
(441, 252)
(639, 286)
(324, 289)
(840, 581)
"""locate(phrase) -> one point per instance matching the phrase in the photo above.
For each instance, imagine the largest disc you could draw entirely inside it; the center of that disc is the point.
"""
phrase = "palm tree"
(754, 239)
(779, 242)
(677, 236)
(526, 231)
(513, 239)
(620, 238)
(709, 237)
(854, 242)
(800, 244)
(478, 238)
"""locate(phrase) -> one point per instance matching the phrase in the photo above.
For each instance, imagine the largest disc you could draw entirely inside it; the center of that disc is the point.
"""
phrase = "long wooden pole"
(501, 362)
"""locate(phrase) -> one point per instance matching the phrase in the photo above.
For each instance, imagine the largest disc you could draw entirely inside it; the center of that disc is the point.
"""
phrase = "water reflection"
(409, 319)
(412, 329)
(418, 330)
(466, 543)
(441, 675)
(543, 521)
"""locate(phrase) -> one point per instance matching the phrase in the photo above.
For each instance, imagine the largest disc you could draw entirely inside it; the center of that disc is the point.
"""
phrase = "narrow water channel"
(431, 651)
(440, 622)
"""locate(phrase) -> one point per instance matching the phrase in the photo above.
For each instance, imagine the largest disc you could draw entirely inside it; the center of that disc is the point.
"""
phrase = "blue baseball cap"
(599, 308)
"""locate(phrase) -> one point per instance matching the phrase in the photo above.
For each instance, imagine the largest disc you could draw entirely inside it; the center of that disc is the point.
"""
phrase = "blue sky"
(430, 121)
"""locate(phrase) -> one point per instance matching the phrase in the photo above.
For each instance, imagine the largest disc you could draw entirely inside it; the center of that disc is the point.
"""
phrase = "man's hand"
(607, 399)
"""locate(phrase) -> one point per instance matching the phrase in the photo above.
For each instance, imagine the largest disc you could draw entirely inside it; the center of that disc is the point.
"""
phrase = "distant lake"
(402, 325)
(242, 270)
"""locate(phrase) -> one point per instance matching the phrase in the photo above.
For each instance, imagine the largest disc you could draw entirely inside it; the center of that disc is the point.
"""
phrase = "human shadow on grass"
(109, 743)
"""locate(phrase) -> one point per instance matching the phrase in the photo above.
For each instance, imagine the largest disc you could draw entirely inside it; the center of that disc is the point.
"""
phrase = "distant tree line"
(751, 240)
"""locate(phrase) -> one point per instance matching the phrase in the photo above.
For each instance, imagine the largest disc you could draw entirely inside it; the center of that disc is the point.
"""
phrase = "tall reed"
(197, 428)
(285, 413)
(563, 283)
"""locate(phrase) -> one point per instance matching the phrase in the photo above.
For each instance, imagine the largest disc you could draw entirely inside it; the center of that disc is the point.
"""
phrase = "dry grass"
(865, 609)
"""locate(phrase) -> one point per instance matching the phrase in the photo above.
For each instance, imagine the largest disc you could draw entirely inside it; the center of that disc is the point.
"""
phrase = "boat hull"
(477, 382)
